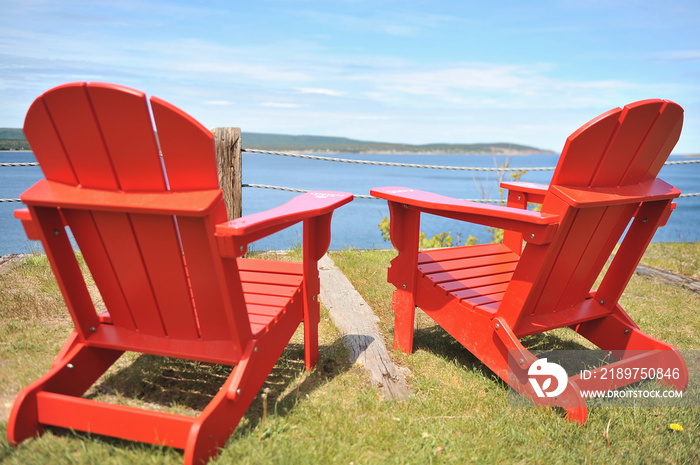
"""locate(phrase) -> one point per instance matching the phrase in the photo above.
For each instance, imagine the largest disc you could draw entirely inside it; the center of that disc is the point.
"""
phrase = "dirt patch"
(6, 401)
(7, 262)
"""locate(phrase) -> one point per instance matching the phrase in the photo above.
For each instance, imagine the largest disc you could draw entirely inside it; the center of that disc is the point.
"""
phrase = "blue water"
(355, 225)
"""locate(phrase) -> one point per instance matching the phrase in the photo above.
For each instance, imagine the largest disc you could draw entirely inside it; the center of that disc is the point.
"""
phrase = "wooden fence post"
(228, 156)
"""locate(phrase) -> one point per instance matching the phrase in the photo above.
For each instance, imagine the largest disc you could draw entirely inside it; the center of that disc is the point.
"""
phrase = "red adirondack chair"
(153, 231)
(489, 296)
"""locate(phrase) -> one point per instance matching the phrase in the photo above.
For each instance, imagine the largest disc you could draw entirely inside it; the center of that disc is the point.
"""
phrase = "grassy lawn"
(459, 411)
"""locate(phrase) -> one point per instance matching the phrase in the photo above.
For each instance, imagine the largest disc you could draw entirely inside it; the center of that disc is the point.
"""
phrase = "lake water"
(355, 225)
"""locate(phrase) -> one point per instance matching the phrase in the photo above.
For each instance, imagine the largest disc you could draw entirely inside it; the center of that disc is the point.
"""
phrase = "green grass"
(679, 257)
(459, 411)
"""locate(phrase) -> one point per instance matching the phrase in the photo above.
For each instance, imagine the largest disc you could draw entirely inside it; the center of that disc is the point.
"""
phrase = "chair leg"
(404, 307)
(311, 320)
(505, 355)
(404, 231)
(577, 414)
(310, 345)
(571, 400)
(617, 333)
(79, 368)
(216, 423)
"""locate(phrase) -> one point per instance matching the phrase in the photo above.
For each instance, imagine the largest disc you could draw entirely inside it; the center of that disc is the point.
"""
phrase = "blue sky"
(398, 71)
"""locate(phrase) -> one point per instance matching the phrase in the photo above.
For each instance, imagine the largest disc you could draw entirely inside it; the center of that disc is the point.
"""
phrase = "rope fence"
(381, 163)
(414, 165)
(387, 163)
(357, 196)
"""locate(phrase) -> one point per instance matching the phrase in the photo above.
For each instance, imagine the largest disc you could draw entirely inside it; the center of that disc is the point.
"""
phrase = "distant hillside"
(253, 140)
(13, 139)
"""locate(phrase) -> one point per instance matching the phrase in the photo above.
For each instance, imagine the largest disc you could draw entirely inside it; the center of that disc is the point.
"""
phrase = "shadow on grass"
(439, 342)
(186, 387)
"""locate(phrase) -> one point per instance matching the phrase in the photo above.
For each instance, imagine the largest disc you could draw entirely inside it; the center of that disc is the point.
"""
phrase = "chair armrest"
(45, 193)
(537, 227)
(647, 191)
(241, 231)
(527, 187)
(520, 193)
(31, 228)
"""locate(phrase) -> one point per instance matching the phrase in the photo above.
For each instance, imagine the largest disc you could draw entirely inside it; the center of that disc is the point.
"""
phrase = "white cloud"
(396, 22)
(678, 55)
(486, 85)
(320, 91)
(218, 102)
(280, 105)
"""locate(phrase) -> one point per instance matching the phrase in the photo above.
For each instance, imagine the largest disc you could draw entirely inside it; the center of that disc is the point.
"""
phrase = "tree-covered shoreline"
(13, 139)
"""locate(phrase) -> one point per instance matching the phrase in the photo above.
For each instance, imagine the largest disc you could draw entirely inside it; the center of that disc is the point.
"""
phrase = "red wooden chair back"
(623, 147)
(159, 274)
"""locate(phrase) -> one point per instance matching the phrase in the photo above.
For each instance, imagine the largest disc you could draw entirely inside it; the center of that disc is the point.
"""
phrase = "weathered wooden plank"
(358, 324)
(670, 278)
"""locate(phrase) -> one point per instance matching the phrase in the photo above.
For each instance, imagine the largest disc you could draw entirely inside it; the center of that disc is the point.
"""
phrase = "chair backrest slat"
(600, 242)
(73, 117)
(85, 229)
(162, 257)
(121, 245)
(635, 124)
(125, 124)
(47, 145)
(180, 137)
(584, 250)
(212, 305)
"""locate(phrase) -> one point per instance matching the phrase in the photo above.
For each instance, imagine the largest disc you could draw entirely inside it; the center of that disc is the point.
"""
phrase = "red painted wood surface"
(135, 181)
(542, 276)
